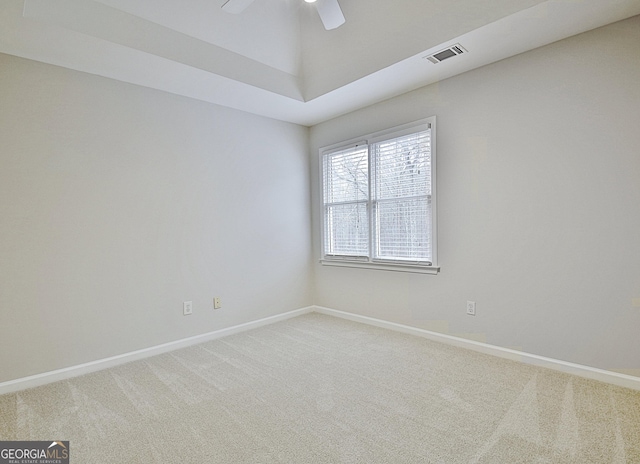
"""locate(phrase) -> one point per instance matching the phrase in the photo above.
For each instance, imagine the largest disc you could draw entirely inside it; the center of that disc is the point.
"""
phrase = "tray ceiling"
(275, 59)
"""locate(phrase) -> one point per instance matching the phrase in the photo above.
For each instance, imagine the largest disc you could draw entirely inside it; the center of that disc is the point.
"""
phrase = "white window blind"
(402, 197)
(346, 198)
(379, 197)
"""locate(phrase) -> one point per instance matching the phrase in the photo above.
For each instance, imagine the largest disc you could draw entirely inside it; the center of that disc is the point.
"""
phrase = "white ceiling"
(275, 59)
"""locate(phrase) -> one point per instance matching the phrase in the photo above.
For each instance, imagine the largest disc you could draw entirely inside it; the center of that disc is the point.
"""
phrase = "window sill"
(395, 267)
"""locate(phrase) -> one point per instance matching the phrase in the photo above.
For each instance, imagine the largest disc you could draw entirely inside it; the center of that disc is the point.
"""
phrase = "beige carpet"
(317, 389)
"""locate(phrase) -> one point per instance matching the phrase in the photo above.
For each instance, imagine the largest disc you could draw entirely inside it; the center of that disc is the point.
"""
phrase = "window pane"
(346, 175)
(404, 229)
(403, 166)
(347, 230)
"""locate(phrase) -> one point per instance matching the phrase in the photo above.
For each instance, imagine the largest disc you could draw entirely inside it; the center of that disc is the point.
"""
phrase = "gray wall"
(538, 214)
(118, 203)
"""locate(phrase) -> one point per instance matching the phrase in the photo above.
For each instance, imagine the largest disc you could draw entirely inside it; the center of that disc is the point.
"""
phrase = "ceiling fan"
(329, 10)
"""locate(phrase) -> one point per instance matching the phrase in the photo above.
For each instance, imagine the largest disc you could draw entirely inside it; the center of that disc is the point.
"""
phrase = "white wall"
(118, 203)
(539, 194)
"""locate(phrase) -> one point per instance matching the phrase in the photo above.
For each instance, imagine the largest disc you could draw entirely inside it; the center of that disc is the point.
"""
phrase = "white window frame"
(369, 262)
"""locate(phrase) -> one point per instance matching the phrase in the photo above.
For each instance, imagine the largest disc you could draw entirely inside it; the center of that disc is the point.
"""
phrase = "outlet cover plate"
(471, 308)
(187, 308)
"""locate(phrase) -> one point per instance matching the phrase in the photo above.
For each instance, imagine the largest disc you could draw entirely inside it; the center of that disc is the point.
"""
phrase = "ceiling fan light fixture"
(310, 1)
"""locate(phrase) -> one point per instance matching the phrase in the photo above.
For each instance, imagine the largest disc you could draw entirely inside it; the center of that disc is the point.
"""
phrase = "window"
(379, 200)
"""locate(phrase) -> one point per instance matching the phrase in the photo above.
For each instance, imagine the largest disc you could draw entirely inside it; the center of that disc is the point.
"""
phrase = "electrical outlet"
(187, 308)
(217, 304)
(471, 308)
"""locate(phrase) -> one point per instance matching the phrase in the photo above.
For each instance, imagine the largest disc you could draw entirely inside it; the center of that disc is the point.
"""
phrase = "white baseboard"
(81, 369)
(593, 373)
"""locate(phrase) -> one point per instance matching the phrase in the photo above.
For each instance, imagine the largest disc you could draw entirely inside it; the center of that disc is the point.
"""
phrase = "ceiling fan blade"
(236, 6)
(330, 13)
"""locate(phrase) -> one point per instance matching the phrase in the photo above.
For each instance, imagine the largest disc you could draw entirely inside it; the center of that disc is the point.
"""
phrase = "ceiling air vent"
(447, 53)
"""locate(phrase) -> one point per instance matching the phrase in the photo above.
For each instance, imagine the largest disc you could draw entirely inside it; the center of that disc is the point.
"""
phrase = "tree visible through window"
(379, 200)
